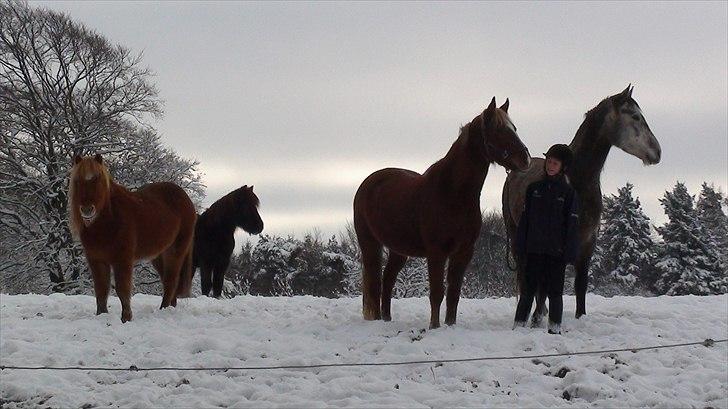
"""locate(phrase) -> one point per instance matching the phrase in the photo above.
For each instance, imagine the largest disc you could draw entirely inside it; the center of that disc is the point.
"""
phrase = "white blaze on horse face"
(635, 137)
(510, 125)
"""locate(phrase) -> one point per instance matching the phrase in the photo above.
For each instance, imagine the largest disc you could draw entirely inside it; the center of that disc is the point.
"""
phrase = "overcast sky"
(304, 100)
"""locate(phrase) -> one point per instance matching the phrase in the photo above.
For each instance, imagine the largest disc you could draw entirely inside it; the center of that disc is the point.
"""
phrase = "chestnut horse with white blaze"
(434, 215)
(117, 227)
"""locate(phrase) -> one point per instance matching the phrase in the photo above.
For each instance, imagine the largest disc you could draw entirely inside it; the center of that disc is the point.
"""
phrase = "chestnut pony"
(434, 215)
(117, 227)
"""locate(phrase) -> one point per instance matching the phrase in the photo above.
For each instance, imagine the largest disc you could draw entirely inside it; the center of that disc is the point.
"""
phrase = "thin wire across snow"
(133, 368)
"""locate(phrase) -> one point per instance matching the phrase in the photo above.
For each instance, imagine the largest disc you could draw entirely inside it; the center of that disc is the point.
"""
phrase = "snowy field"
(61, 330)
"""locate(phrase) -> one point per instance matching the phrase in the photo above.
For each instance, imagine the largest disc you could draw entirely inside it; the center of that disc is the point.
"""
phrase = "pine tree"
(626, 245)
(690, 262)
(714, 220)
(597, 267)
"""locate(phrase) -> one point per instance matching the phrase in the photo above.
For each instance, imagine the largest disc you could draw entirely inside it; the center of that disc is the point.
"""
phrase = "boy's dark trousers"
(546, 272)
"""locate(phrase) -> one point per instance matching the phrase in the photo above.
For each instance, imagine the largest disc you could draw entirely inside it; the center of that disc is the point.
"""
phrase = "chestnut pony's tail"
(184, 287)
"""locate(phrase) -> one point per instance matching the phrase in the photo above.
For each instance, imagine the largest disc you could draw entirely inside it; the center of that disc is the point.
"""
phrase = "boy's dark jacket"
(550, 220)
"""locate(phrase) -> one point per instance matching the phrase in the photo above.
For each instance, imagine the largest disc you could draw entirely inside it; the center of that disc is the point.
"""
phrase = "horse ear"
(76, 159)
(98, 158)
(504, 107)
(488, 113)
(630, 91)
(622, 97)
(251, 187)
(627, 91)
(491, 107)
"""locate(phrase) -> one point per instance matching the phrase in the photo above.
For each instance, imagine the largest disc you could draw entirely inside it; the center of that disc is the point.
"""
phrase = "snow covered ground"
(61, 330)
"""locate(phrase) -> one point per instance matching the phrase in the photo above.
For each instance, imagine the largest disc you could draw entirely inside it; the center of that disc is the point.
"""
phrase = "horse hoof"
(386, 318)
(435, 325)
(370, 315)
(580, 314)
(450, 322)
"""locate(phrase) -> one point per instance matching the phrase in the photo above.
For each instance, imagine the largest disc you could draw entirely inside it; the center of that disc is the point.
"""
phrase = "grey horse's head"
(630, 131)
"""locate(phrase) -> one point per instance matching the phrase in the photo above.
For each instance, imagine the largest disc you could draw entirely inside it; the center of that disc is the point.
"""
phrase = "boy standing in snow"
(547, 237)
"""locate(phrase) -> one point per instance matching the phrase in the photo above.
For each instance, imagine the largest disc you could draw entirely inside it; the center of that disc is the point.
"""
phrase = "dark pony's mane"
(223, 210)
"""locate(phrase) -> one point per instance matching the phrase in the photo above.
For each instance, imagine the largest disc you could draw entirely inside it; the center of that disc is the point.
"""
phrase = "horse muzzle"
(652, 157)
(88, 214)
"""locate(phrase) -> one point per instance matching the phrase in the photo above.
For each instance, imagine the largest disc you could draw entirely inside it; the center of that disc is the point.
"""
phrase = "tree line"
(686, 255)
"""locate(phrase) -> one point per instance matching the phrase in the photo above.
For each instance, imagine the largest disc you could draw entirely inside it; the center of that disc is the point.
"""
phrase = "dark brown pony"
(214, 241)
(615, 121)
(434, 215)
(118, 227)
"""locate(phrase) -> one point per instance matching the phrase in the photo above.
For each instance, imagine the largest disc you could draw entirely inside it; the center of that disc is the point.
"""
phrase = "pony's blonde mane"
(85, 166)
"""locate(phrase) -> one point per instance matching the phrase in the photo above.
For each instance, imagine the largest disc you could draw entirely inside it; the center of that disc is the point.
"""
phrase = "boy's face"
(553, 166)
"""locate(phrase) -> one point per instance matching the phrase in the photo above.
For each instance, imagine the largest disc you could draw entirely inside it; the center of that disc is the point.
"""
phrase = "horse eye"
(636, 117)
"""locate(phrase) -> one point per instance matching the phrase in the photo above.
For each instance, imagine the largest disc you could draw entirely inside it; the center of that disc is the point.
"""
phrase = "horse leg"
(124, 283)
(528, 289)
(395, 262)
(371, 254)
(218, 277)
(101, 274)
(206, 278)
(541, 309)
(580, 284)
(158, 265)
(455, 272)
(172, 260)
(436, 275)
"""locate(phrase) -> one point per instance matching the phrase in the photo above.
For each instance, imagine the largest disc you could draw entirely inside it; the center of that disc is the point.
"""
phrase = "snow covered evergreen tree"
(488, 274)
(689, 262)
(714, 220)
(597, 268)
(412, 280)
(626, 248)
(270, 272)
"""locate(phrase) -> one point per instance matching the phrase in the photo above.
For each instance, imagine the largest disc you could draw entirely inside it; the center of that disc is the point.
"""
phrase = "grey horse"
(615, 121)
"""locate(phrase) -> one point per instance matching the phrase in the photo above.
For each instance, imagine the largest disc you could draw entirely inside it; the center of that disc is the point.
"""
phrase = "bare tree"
(65, 90)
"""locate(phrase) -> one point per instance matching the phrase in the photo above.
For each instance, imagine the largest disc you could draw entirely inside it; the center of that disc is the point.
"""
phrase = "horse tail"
(184, 287)
(509, 255)
(510, 231)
